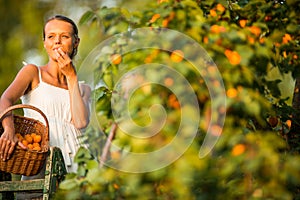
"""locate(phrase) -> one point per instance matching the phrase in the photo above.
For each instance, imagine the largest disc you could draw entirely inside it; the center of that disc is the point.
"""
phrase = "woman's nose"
(57, 39)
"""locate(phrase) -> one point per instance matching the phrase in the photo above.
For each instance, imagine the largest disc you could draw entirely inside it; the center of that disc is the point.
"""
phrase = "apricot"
(36, 144)
(154, 18)
(30, 146)
(37, 148)
(37, 138)
(116, 59)
(243, 22)
(231, 93)
(177, 56)
(233, 57)
(169, 82)
(238, 149)
(28, 138)
(25, 142)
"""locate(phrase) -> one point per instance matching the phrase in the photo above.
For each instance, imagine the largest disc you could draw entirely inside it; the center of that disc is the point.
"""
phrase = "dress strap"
(40, 75)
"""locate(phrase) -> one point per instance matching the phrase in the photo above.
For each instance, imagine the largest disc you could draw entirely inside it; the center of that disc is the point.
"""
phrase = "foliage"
(251, 160)
(20, 35)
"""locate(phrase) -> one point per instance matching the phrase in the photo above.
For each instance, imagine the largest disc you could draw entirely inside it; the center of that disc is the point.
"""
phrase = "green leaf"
(125, 13)
(92, 164)
(293, 28)
(87, 17)
(81, 171)
(68, 184)
(82, 155)
(273, 87)
(100, 92)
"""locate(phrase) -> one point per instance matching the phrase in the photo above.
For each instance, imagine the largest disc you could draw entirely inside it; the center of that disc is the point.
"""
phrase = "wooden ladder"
(54, 174)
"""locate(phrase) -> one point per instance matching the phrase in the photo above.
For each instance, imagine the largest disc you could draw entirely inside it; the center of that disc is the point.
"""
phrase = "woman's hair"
(68, 20)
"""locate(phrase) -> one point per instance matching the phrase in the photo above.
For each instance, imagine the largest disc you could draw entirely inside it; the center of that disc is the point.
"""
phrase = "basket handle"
(18, 106)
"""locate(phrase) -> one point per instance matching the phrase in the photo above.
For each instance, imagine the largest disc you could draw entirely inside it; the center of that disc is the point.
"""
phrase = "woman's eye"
(50, 36)
(65, 36)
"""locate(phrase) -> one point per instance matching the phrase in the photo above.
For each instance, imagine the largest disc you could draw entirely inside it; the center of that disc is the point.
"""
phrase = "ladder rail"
(55, 172)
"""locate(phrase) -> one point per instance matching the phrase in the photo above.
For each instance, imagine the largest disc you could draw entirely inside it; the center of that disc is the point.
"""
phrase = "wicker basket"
(25, 161)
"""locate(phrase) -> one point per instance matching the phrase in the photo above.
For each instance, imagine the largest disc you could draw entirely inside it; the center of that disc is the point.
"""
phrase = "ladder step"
(13, 186)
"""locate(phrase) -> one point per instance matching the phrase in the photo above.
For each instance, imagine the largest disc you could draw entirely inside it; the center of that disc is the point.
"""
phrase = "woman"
(53, 88)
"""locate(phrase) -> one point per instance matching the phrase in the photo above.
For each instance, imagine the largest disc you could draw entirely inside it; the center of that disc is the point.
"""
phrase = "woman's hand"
(8, 141)
(65, 63)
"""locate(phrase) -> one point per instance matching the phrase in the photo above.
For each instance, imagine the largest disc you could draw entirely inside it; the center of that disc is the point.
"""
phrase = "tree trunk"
(294, 133)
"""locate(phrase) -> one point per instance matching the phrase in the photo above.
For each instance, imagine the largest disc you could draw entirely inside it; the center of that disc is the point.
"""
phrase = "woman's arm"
(79, 95)
(16, 89)
(80, 103)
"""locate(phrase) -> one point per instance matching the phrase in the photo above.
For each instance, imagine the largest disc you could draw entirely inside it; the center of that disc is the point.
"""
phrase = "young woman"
(54, 88)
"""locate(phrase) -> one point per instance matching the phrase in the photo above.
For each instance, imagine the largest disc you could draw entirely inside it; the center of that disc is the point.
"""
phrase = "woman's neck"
(55, 72)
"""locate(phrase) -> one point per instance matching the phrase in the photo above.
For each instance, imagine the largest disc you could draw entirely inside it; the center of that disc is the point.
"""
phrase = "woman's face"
(59, 34)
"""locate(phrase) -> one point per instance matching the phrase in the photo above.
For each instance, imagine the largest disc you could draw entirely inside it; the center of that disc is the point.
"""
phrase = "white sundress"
(55, 104)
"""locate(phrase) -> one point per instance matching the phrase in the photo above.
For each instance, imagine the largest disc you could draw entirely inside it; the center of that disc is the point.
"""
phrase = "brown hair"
(68, 20)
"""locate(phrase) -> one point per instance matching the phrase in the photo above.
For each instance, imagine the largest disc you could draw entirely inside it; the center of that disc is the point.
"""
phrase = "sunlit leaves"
(246, 40)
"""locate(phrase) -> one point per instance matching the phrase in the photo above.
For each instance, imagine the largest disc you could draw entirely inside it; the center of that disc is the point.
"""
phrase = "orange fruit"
(148, 59)
(288, 123)
(231, 93)
(268, 18)
(161, 1)
(37, 148)
(165, 23)
(169, 82)
(173, 102)
(37, 138)
(116, 59)
(115, 155)
(177, 56)
(220, 7)
(243, 22)
(238, 149)
(286, 38)
(30, 146)
(217, 29)
(36, 144)
(216, 130)
(25, 142)
(295, 57)
(154, 18)
(255, 30)
(233, 57)
(214, 29)
(116, 186)
(29, 139)
(251, 40)
(213, 13)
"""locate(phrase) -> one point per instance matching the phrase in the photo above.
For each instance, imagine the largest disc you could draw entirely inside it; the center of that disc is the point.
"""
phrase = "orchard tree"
(255, 154)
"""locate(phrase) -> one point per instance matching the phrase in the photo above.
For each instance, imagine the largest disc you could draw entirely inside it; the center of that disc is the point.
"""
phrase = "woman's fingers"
(62, 57)
(2, 147)
(22, 145)
(6, 148)
(62, 54)
(11, 149)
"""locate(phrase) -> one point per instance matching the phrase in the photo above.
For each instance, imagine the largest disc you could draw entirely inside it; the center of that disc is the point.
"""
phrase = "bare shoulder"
(29, 74)
(29, 69)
